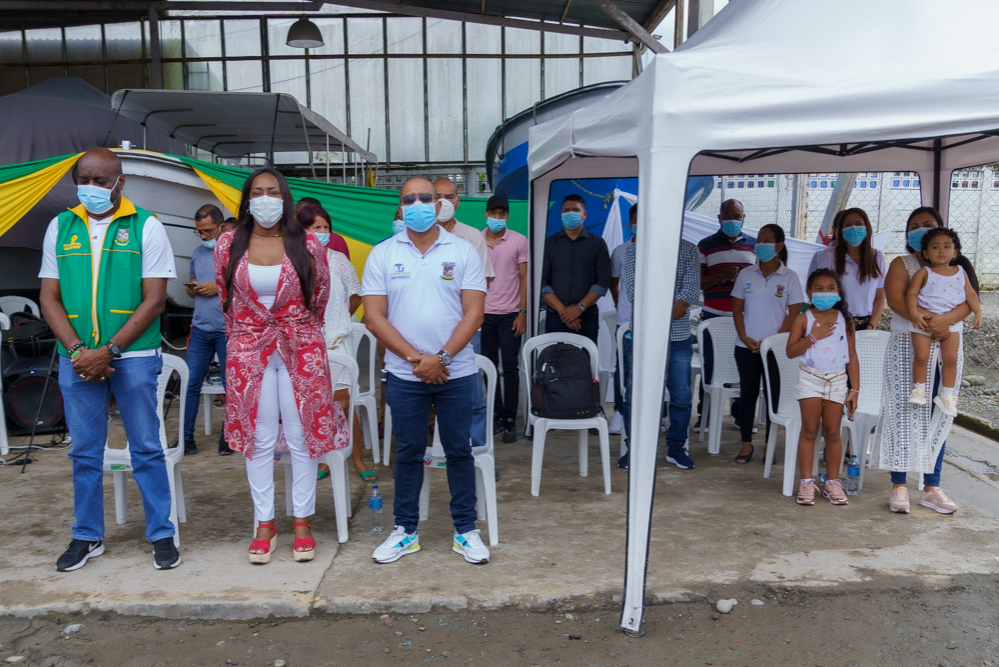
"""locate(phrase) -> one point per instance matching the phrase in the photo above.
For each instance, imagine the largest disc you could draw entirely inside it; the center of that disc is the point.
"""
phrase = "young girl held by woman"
(822, 339)
(939, 288)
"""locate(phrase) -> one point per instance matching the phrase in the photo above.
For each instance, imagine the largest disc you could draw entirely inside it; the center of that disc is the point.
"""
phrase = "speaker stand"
(38, 413)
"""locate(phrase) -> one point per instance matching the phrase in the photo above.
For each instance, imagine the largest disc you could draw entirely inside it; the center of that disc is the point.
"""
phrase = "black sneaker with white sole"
(78, 553)
(165, 554)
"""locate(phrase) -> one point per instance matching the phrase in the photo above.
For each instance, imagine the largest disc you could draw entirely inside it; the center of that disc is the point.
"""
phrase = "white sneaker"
(616, 423)
(471, 547)
(918, 396)
(398, 544)
(947, 405)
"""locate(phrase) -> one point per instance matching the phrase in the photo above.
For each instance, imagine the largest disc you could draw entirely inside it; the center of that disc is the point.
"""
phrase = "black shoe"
(510, 433)
(224, 447)
(78, 553)
(165, 554)
(190, 448)
(623, 462)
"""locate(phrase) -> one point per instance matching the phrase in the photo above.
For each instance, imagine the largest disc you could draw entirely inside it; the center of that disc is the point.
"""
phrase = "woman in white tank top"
(822, 339)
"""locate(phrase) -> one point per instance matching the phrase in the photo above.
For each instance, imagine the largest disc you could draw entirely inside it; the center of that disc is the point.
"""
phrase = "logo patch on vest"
(121, 237)
(72, 245)
(448, 273)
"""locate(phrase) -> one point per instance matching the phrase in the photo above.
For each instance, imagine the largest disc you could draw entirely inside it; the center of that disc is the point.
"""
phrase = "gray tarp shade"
(233, 124)
(61, 116)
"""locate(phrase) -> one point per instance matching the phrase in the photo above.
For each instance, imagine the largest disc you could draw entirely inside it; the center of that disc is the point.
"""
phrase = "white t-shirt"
(157, 255)
(623, 303)
(766, 299)
(859, 296)
(474, 236)
(424, 295)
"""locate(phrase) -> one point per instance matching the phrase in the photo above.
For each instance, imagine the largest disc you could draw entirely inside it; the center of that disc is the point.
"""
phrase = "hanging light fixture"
(304, 34)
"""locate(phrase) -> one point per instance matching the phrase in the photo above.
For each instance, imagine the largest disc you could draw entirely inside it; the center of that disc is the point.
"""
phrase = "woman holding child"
(912, 434)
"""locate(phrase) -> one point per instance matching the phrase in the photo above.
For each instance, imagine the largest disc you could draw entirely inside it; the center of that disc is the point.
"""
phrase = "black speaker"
(25, 356)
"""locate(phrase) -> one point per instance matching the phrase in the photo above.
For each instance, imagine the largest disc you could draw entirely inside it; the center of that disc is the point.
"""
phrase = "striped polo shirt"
(719, 252)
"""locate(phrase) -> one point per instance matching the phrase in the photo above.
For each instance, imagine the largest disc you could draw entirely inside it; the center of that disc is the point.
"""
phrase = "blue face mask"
(731, 228)
(825, 300)
(766, 251)
(572, 219)
(323, 238)
(496, 224)
(210, 243)
(95, 199)
(397, 226)
(915, 238)
(419, 216)
(855, 235)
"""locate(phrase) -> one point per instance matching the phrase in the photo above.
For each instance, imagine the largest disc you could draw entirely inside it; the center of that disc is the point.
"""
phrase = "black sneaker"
(165, 554)
(78, 553)
(224, 447)
(190, 448)
(510, 432)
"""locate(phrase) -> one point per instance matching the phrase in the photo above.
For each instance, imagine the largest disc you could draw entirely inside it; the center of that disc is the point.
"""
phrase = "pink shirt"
(508, 254)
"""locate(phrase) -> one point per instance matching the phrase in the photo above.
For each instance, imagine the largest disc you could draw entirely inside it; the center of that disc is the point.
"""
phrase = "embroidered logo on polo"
(749, 287)
(780, 291)
(72, 245)
(448, 273)
(400, 272)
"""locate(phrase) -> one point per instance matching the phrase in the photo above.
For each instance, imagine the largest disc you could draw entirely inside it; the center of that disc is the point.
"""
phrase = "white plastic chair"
(367, 400)
(119, 461)
(207, 391)
(4, 322)
(541, 425)
(4, 445)
(337, 459)
(619, 350)
(716, 394)
(485, 461)
(872, 346)
(608, 320)
(16, 304)
(783, 409)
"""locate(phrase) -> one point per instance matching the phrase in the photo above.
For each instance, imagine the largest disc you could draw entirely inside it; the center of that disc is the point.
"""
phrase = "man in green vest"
(105, 266)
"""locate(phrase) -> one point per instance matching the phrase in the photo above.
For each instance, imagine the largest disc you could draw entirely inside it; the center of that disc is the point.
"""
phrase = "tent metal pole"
(327, 158)
(937, 143)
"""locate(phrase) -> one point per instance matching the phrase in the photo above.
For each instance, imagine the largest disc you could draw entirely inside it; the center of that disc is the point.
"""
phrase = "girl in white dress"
(822, 339)
(939, 288)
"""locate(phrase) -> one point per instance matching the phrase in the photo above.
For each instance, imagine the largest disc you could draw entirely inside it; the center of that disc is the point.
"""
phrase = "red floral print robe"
(254, 332)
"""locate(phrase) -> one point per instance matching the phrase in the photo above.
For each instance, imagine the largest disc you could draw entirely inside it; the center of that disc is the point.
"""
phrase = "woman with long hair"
(274, 286)
(345, 298)
(912, 438)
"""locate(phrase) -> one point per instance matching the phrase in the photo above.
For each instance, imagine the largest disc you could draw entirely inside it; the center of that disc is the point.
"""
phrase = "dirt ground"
(847, 627)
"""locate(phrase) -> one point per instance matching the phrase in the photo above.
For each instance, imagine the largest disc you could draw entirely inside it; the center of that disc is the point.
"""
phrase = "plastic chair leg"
(791, 456)
(387, 451)
(604, 453)
(347, 472)
(179, 487)
(120, 496)
(703, 421)
(537, 454)
(425, 495)
(371, 426)
(480, 494)
(171, 482)
(489, 486)
(206, 404)
(338, 477)
(714, 426)
(582, 440)
(771, 450)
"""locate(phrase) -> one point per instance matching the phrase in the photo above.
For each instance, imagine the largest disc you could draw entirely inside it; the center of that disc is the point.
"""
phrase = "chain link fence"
(888, 198)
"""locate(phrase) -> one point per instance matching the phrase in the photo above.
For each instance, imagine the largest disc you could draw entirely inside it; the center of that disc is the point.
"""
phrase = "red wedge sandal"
(269, 545)
(304, 542)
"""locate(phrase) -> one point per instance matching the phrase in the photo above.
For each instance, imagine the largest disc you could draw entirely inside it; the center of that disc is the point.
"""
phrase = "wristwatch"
(523, 312)
(114, 350)
(581, 307)
(445, 358)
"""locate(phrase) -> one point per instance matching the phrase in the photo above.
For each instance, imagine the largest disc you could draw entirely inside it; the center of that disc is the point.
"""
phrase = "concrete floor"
(716, 527)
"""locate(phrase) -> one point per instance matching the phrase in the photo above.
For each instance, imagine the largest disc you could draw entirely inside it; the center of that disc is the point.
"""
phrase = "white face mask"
(447, 211)
(266, 210)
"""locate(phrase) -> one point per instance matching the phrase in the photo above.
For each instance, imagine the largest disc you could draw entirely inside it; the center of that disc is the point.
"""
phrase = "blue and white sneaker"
(680, 459)
(471, 547)
(398, 544)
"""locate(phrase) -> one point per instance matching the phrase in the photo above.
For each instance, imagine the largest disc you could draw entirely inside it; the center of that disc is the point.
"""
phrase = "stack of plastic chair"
(724, 383)
(118, 462)
(485, 461)
(541, 425)
(18, 304)
(872, 346)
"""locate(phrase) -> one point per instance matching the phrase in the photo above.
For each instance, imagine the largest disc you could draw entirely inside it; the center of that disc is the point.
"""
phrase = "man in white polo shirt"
(424, 292)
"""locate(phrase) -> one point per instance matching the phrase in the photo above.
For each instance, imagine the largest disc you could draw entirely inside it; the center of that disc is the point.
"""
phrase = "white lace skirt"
(908, 438)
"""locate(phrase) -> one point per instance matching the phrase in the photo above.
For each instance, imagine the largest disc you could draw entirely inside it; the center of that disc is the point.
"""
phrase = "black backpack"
(562, 387)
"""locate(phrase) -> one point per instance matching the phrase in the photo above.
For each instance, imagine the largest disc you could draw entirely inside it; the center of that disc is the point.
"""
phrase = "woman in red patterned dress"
(274, 285)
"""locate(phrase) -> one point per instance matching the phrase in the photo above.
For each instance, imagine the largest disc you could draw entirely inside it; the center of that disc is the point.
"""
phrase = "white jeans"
(277, 400)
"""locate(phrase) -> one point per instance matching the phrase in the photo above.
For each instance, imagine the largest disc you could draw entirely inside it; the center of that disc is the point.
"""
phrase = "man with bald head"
(105, 267)
(424, 291)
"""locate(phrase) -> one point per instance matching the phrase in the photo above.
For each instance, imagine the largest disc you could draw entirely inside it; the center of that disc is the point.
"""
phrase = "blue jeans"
(677, 383)
(478, 400)
(133, 384)
(929, 479)
(618, 386)
(411, 403)
(201, 346)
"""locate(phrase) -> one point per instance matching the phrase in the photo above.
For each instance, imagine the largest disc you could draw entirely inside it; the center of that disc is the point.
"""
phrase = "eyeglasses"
(205, 234)
(424, 197)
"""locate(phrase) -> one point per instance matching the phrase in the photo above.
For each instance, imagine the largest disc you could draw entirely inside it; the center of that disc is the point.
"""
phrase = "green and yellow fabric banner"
(23, 185)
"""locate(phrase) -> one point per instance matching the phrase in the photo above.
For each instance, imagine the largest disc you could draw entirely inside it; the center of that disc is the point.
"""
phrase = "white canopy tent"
(771, 86)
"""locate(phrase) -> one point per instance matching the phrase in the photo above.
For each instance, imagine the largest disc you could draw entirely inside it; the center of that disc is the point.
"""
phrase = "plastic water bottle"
(375, 510)
(853, 477)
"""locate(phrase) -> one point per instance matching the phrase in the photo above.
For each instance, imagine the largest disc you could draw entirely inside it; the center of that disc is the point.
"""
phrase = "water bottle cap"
(374, 486)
